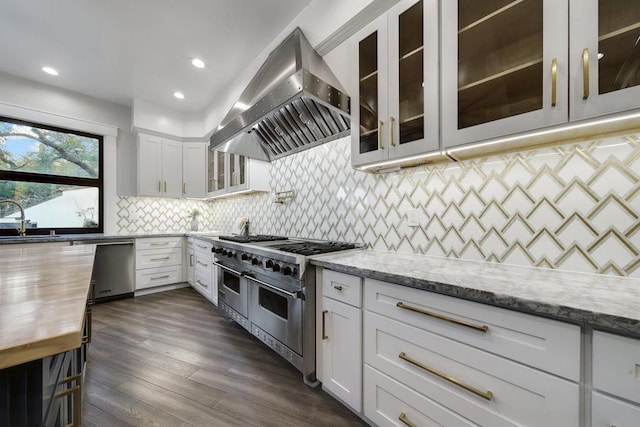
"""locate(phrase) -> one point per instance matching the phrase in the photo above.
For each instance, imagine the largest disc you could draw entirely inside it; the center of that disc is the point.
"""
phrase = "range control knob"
(245, 257)
(218, 250)
(255, 261)
(287, 271)
(231, 254)
(269, 263)
(276, 267)
(224, 252)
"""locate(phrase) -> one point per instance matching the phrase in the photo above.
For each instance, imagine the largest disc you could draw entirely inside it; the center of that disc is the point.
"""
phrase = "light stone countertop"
(604, 302)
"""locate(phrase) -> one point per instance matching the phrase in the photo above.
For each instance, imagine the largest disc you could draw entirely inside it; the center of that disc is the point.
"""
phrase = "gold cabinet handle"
(391, 121)
(159, 259)
(481, 328)
(585, 73)
(380, 144)
(484, 394)
(86, 339)
(204, 285)
(554, 81)
(201, 263)
(184, 188)
(403, 418)
(159, 244)
(190, 260)
(159, 186)
(165, 186)
(77, 398)
(337, 287)
(166, 276)
(324, 326)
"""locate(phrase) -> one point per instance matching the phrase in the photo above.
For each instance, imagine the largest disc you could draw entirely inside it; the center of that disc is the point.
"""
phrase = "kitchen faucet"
(22, 230)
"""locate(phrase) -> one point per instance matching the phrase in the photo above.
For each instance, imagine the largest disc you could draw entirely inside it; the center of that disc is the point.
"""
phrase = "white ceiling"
(123, 49)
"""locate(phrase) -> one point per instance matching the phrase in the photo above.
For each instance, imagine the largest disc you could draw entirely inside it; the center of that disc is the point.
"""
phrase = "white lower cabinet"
(205, 280)
(607, 411)
(191, 262)
(158, 261)
(342, 337)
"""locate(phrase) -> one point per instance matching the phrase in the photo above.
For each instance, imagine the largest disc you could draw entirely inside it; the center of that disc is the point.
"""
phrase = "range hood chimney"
(293, 103)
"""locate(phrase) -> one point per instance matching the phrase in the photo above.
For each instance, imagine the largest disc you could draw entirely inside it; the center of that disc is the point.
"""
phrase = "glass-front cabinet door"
(237, 172)
(216, 177)
(397, 115)
(504, 67)
(605, 56)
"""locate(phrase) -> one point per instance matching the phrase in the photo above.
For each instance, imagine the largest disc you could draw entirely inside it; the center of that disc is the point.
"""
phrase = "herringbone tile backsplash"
(572, 207)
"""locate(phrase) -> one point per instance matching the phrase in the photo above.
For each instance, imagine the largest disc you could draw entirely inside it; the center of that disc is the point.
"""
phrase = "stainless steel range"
(266, 284)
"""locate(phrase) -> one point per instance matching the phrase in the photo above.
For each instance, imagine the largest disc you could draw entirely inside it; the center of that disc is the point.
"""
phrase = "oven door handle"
(237, 273)
(274, 288)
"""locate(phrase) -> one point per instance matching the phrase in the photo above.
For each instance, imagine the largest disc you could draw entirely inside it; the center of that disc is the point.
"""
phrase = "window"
(55, 174)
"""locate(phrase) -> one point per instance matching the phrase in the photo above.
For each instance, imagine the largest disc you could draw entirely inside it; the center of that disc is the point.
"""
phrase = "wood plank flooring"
(170, 359)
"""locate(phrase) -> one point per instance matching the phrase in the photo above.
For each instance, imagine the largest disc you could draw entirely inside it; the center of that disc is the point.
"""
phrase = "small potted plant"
(193, 214)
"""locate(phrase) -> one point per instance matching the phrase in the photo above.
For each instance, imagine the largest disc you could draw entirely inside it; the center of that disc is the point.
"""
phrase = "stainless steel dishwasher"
(113, 268)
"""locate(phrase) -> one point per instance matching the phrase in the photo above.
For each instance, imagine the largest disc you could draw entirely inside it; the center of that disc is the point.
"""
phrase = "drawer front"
(342, 287)
(513, 392)
(546, 344)
(153, 277)
(203, 283)
(158, 243)
(616, 365)
(202, 260)
(158, 258)
(389, 403)
(202, 246)
(607, 411)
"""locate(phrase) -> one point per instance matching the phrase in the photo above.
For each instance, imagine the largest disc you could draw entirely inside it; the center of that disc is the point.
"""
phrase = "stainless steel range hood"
(293, 103)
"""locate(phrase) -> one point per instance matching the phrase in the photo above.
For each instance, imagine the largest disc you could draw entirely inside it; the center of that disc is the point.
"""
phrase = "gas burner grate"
(314, 248)
(252, 238)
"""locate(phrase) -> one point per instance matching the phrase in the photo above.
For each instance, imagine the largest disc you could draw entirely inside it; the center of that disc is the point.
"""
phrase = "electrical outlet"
(413, 217)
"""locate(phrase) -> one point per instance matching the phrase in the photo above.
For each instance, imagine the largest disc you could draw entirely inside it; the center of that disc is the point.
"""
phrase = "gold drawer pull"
(585, 73)
(324, 334)
(77, 398)
(380, 144)
(159, 259)
(391, 121)
(482, 328)
(159, 244)
(554, 81)
(484, 394)
(405, 420)
(202, 284)
(337, 287)
(86, 339)
(166, 276)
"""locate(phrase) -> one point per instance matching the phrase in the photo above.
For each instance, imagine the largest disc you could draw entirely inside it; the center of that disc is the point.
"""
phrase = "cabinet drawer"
(616, 365)
(607, 411)
(158, 243)
(152, 277)
(202, 283)
(158, 258)
(514, 393)
(546, 344)
(202, 260)
(202, 246)
(342, 287)
(388, 403)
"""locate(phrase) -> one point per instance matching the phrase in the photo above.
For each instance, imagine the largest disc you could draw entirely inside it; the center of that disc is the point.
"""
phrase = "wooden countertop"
(43, 294)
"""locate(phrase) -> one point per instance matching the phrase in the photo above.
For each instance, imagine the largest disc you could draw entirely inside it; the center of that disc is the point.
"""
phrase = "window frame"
(60, 179)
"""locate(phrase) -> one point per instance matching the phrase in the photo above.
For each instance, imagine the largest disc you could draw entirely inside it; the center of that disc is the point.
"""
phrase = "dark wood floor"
(170, 359)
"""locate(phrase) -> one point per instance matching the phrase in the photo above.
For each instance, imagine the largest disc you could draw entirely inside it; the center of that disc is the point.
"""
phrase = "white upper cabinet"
(159, 166)
(504, 68)
(229, 174)
(397, 92)
(604, 57)
(194, 169)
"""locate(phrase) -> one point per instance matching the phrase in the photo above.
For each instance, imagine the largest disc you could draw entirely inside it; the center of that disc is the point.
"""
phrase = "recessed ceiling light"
(197, 62)
(178, 95)
(50, 70)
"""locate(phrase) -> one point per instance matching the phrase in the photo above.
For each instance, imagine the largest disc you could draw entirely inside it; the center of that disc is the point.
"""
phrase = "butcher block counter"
(43, 295)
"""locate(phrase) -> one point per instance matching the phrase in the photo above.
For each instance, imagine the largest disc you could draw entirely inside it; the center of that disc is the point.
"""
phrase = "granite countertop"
(605, 302)
(43, 294)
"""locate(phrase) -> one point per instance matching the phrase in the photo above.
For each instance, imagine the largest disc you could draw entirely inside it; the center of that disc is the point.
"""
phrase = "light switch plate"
(413, 217)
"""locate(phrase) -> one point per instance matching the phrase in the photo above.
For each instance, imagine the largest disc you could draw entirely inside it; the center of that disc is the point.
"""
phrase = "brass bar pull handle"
(403, 418)
(484, 394)
(160, 244)
(77, 398)
(159, 259)
(86, 339)
(554, 81)
(481, 328)
(166, 276)
(204, 285)
(380, 144)
(585, 73)
(159, 186)
(324, 325)
(391, 121)
(190, 260)
(337, 287)
(184, 188)
(202, 264)
(165, 186)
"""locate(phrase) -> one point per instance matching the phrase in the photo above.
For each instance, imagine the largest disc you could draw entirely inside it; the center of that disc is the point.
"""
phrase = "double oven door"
(232, 289)
(276, 311)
